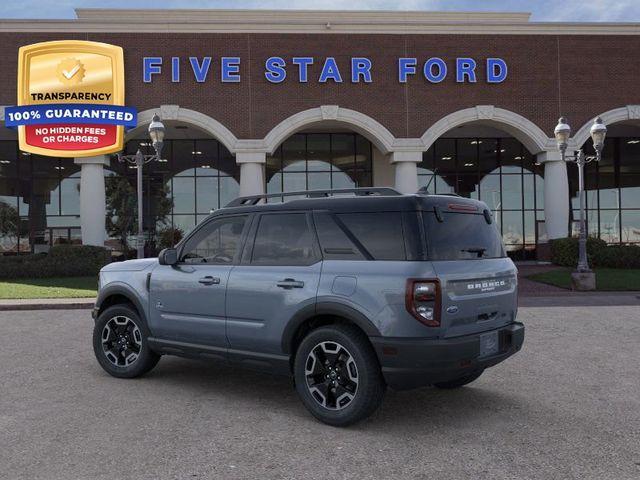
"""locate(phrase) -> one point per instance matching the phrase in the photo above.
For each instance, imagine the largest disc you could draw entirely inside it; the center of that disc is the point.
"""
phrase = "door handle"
(209, 280)
(289, 283)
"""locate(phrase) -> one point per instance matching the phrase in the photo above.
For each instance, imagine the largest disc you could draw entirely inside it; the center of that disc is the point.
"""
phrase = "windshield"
(461, 236)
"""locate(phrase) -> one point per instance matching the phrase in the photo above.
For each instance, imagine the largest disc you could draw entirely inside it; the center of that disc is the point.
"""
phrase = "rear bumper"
(412, 363)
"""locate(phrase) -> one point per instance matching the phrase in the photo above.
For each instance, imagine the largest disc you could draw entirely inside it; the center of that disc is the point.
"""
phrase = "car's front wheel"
(338, 376)
(120, 343)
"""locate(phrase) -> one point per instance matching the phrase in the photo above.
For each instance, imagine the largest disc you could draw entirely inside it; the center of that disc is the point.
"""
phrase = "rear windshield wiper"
(477, 250)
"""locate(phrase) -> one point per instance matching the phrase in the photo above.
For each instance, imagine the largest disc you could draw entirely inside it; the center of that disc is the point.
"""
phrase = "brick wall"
(578, 76)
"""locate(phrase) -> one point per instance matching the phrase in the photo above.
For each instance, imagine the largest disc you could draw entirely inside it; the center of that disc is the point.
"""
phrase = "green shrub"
(564, 252)
(618, 256)
(61, 261)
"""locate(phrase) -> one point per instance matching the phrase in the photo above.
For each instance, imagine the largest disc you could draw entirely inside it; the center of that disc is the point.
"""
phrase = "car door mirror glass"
(168, 256)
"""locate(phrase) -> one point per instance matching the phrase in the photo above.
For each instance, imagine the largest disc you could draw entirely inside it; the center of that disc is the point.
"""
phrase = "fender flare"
(127, 292)
(326, 308)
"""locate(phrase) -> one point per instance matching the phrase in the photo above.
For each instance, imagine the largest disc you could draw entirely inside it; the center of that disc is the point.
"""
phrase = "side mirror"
(168, 256)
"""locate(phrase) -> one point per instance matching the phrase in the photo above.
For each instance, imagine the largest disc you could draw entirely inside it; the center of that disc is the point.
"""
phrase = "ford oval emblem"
(452, 309)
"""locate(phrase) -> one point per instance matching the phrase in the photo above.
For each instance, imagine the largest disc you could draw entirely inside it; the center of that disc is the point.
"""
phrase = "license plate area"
(489, 344)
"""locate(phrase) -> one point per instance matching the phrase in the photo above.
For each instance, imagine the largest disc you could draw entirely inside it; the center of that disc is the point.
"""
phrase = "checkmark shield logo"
(70, 71)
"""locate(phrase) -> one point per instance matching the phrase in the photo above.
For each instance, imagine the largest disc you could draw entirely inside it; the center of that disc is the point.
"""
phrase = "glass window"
(487, 155)
(184, 222)
(334, 242)
(630, 190)
(207, 194)
(629, 155)
(183, 190)
(70, 196)
(283, 239)
(610, 226)
(216, 243)
(467, 154)
(445, 240)
(445, 156)
(511, 155)
(379, 233)
(229, 189)
(490, 192)
(205, 154)
(631, 226)
(294, 153)
(512, 228)
(318, 152)
(182, 161)
(8, 159)
(313, 161)
(512, 192)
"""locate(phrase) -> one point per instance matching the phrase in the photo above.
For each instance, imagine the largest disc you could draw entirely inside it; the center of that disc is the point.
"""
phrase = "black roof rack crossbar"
(360, 192)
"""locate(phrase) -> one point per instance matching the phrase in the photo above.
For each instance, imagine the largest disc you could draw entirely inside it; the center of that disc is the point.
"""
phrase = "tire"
(120, 343)
(459, 382)
(337, 375)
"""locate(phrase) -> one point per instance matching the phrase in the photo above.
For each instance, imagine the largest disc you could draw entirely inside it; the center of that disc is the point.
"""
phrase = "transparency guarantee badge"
(71, 99)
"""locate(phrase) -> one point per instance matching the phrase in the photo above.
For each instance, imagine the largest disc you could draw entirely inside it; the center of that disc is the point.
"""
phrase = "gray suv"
(347, 291)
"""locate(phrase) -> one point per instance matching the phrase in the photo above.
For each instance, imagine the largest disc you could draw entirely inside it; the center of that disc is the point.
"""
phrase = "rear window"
(462, 236)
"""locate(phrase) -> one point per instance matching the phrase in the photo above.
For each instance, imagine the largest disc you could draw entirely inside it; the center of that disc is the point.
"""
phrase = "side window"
(217, 243)
(283, 239)
(335, 244)
(380, 233)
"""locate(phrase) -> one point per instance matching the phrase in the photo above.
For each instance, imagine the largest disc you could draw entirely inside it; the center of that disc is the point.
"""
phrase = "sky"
(542, 10)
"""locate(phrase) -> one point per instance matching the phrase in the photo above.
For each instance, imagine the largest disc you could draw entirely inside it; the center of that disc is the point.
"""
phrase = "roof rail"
(359, 192)
(425, 191)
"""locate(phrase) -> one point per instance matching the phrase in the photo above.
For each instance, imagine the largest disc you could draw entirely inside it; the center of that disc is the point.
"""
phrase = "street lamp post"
(156, 133)
(562, 133)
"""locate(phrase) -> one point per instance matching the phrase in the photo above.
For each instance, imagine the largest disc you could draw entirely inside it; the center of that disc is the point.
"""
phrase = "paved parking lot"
(568, 406)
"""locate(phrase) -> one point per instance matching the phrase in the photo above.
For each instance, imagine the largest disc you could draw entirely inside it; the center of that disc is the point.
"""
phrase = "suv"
(347, 294)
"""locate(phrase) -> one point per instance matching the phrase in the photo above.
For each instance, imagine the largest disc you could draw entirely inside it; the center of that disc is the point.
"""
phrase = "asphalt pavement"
(567, 406)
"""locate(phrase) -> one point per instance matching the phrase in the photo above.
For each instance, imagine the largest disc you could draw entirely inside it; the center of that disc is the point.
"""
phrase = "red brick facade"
(578, 76)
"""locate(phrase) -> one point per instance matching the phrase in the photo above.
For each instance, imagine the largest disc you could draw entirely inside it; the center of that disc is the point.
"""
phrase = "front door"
(187, 300)
(278, 276)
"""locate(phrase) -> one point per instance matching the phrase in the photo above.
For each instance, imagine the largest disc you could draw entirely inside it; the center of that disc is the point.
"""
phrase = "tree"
(122, 207)
(9, 221)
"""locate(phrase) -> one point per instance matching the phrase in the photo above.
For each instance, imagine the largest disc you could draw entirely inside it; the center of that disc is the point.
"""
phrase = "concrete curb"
(47, 304)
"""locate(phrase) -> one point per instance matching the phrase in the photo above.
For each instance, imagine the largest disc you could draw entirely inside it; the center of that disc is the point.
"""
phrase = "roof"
(310, 21)
(387, 203)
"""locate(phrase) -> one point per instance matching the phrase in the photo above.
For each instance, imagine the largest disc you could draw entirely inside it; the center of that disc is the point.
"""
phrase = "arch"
(629, 112)
(527, 132)
(382, 138)
(197, 119)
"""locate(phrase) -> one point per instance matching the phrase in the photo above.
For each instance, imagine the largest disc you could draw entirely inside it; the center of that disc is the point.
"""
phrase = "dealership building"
(277, 101)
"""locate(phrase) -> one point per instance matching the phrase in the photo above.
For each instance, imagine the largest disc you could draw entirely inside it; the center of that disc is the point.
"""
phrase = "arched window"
(498, 171)
(315, 161)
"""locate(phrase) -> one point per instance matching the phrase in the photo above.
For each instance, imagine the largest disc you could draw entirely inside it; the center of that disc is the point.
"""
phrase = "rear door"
(478, 281)
(278, 276)
(187, 300)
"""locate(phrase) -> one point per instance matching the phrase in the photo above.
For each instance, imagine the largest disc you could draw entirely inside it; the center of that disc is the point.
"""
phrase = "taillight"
(423, 301)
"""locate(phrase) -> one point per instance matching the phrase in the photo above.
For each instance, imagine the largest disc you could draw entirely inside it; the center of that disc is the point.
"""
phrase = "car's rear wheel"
(459, 382)
(120, 343)
(338, 376)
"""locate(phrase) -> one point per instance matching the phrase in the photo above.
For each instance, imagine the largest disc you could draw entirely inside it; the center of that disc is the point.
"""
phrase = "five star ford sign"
(70, 99)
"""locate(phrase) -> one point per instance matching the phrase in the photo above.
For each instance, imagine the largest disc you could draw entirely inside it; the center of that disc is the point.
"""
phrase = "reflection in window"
(198, 176)
(320, 161)
(283, 239)
(612, 191)
(219, 245)
(498, 171)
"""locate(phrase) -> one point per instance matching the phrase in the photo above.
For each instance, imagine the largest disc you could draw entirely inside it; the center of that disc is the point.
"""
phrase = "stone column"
(556, 194)
(251, 172)
(406, 167)
(92, 199)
